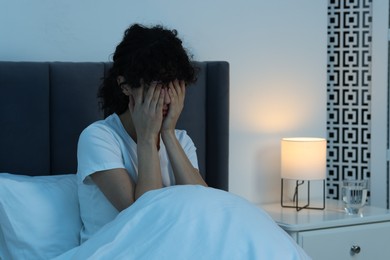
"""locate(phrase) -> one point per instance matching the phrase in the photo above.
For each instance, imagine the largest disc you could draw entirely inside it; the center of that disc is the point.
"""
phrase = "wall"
(380, 142)
(349, 94)
(276, 49)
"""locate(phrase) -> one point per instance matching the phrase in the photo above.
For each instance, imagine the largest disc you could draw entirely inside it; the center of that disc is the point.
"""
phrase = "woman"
(136, 148)
(125, 161)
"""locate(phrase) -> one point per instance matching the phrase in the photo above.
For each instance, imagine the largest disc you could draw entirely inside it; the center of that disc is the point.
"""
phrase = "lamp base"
(296, 197)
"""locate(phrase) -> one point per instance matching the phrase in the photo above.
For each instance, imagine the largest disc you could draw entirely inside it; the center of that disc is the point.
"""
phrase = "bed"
(45, 106)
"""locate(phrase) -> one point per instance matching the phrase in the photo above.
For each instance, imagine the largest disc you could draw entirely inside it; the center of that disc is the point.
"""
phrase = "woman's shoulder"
(101, 127)
(181, 133)
(182, 136)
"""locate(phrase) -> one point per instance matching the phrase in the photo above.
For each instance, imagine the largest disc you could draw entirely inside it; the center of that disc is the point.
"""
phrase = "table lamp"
(303, 159)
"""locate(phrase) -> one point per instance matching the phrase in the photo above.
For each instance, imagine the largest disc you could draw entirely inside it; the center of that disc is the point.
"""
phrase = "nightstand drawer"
(371, 241)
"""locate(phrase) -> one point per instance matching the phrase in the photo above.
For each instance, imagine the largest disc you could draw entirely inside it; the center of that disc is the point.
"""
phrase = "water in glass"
(354, 194)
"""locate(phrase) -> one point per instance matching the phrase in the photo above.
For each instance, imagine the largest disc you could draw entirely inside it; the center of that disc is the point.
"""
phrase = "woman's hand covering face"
(146, 105)
(176, 94)
(149, 103)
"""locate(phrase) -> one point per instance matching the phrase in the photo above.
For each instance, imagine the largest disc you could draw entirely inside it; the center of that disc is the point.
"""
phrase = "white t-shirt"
(106, 145)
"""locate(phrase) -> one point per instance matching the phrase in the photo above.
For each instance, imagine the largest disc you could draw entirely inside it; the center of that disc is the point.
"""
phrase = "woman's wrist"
(152, 140)
(167, 134)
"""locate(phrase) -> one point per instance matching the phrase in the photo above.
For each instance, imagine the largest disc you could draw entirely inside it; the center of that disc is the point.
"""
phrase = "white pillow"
(39, 216)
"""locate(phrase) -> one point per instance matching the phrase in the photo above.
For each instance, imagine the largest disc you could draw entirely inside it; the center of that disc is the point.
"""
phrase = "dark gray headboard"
(44, 106)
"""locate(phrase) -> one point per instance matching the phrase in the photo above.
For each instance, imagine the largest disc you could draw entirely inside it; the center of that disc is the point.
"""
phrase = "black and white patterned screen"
(348, 92)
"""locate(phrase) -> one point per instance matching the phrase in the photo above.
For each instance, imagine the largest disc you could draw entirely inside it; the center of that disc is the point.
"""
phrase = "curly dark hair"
(150, 54)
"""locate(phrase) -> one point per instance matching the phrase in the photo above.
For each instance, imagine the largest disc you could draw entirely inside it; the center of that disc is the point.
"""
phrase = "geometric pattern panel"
(348, 92)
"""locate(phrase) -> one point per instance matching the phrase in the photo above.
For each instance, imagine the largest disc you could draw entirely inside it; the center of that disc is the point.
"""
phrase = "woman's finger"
(138, 94)
(156, 96)
(131, 103)
(176, 86)
(172, 91)
(149, 92)
(160, 103)
(183, 88)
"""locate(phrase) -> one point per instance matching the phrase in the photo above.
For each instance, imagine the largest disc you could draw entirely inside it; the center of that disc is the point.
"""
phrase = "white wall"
(276, 49)
(379, 105)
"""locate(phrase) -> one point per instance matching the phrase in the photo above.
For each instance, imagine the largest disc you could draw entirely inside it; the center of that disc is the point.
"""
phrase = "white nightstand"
(332, 234)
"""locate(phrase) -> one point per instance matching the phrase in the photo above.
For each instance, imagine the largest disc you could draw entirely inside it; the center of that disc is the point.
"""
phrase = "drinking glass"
(354, 194)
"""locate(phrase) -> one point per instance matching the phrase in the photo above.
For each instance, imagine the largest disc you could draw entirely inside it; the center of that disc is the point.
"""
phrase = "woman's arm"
(149, 171)
(146, 114)
(116, 186)
(183, 170)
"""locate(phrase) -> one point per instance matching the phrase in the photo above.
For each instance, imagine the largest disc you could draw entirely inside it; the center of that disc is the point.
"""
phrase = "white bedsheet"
(189, 222)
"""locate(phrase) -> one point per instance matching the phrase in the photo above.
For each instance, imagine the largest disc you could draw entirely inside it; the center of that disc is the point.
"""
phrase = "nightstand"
(332, 234)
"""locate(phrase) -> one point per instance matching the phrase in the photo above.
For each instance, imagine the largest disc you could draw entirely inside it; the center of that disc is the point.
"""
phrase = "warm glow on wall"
(274, 105)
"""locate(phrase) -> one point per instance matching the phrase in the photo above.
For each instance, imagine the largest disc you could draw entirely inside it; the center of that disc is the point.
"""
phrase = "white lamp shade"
(303, 158)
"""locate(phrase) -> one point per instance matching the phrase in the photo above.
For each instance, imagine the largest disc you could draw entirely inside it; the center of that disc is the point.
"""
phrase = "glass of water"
(354, 194)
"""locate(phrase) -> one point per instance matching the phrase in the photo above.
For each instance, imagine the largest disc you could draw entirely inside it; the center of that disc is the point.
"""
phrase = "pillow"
(39, 216)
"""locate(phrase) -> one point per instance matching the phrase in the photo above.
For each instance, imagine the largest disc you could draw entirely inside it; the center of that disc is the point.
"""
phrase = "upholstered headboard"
(44, 106)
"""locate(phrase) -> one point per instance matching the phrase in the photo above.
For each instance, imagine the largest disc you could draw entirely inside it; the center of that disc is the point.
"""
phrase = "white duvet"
(189, 222)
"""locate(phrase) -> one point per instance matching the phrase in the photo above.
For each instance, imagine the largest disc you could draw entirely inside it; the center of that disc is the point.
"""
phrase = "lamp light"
(303, 159)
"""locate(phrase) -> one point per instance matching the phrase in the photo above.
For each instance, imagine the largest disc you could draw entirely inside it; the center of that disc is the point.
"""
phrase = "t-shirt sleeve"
(97, 150)
(188, 147)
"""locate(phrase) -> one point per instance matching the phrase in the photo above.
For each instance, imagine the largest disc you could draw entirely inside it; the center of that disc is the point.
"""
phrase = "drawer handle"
(355, 250)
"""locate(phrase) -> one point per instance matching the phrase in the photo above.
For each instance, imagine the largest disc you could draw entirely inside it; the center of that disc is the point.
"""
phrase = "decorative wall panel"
(348, 92)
